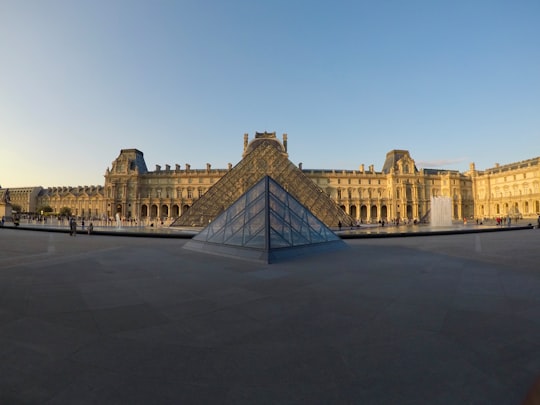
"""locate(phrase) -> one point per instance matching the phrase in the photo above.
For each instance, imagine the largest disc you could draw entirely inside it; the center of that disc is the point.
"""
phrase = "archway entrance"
(384, 213)
(164, 211)
(185, 208)
(363, 212)
(373, 216)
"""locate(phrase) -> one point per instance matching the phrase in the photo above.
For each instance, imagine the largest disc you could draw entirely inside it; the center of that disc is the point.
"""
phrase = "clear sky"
(453, 82)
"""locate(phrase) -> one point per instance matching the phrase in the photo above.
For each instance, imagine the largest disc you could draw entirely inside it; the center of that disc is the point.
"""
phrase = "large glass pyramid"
(266, 224)
(264, 160)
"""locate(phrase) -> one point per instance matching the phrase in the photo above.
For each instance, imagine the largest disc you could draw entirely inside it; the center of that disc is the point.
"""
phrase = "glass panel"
(233, 231)
(298, 239)
(219, 222)
(217, 237)
(236, 208)
(281, 228)
(255, 192)
(277, 241)
(277, 206)
(296, 223)
(257, 241)
(254, 228)
(255, 208)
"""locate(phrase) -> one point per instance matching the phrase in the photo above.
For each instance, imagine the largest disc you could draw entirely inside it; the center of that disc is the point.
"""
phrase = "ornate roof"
(265, 138)
(129, 160)
(393, 157)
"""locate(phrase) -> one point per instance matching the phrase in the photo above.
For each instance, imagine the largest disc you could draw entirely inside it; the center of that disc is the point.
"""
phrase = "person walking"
(72, 227)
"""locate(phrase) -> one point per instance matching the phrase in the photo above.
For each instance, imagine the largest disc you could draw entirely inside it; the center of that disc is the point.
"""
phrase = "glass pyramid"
(264, 160)
(266, 223)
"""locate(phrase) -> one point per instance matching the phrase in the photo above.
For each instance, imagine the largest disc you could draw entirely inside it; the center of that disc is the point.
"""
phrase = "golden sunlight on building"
(399, 191)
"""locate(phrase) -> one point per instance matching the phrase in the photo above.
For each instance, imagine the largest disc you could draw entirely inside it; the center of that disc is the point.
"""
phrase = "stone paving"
(446, 319)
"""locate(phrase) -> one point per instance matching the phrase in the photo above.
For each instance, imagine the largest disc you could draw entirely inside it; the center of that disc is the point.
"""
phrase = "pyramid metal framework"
(265, 159)
(265, 224)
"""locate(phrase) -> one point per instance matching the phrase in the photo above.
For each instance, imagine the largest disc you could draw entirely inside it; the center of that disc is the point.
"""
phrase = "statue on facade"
(6, 197)
(5, 207)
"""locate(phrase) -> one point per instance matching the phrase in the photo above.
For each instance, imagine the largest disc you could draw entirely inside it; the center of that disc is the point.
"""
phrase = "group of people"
(73, 227)
(504, 221)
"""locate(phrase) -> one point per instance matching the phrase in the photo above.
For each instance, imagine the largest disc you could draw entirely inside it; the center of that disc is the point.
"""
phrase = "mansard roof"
(129, 160)
(73, 191)
(393, 157)
(514, 166)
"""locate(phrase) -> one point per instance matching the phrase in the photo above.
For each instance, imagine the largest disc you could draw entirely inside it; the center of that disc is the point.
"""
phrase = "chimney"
(246, 136)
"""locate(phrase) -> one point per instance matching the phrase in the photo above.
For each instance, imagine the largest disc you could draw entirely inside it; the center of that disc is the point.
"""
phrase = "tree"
(65, 211)
(45, 209)
(16, 208)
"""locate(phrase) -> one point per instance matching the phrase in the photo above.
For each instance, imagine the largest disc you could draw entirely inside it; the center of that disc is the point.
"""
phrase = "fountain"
(441, 211)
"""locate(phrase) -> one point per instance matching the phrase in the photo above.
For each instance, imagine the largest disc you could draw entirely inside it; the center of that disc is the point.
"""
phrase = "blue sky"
(453, 82)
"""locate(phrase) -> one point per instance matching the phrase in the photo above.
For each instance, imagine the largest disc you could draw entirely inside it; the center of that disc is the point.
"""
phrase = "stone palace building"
(397, 191)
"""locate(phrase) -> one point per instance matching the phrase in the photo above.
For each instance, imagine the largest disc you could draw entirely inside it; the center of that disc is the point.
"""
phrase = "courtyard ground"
(439, 319)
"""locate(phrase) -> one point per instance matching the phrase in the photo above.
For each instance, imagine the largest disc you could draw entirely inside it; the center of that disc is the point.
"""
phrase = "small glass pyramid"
(266, 223)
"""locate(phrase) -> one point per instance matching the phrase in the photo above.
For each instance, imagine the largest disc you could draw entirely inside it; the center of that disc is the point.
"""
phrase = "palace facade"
(398, 191)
